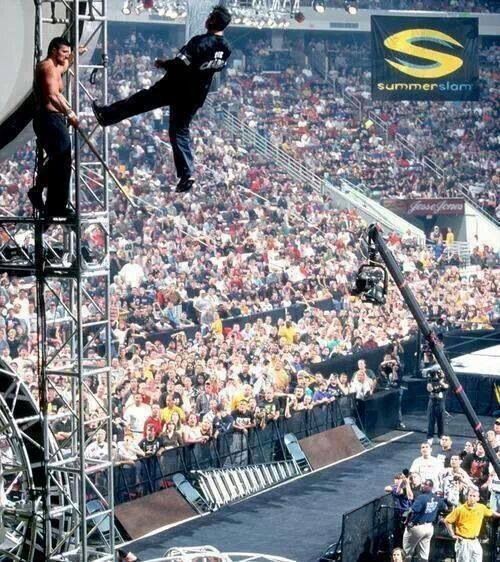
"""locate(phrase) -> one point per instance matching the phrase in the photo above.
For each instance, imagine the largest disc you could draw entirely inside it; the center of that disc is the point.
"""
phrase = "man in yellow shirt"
(464, 525)
(288, 332)
(170, 408)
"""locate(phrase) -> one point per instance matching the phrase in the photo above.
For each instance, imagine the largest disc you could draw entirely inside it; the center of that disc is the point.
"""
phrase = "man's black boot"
(185, 184)
(99, 115)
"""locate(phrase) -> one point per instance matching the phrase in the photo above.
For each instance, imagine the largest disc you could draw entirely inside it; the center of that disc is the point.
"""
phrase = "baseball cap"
(497, 421)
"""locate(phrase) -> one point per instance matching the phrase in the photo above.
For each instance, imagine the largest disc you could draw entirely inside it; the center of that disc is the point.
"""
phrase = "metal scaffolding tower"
(68, 263)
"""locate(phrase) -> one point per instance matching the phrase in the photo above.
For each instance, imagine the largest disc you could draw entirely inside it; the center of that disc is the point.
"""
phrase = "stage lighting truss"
(251, 13)
(264, 13)
(170, 9)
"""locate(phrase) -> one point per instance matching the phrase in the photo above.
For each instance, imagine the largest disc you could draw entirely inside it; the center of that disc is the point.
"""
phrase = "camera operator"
(455, 483)
(402, 495)
(427, 358)
(389, 376)
(436, 387)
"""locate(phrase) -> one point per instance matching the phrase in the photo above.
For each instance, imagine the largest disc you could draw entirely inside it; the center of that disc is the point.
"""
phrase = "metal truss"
(67, 496)
(21, 473)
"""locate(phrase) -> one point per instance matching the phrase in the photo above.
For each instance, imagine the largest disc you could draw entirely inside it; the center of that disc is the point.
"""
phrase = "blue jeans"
(161, 94)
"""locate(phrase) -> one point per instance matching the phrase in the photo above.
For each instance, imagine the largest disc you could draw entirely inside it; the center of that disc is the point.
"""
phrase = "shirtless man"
(49, 123)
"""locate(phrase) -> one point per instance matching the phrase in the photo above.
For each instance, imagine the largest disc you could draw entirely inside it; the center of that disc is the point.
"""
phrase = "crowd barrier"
(293, 312)
(231, 449)
(266, 445)
(368, 531)
(372, 531)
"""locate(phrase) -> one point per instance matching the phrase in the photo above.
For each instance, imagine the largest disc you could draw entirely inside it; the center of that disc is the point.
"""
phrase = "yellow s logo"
(403, 42)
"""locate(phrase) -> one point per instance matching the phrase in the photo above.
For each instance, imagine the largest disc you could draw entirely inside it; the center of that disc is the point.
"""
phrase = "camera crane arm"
(377, 245)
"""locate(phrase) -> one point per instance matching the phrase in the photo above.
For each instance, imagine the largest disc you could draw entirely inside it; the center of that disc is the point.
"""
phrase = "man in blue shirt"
(420, 526)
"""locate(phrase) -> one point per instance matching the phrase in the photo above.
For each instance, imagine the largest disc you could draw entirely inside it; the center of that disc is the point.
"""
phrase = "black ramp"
(300, 519)
(297, 520)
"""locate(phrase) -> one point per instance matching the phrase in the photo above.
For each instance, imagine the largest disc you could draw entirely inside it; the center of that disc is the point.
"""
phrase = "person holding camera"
(389, 376)
(455, 483)
(388, 372)
(436, 387)
(402, 495)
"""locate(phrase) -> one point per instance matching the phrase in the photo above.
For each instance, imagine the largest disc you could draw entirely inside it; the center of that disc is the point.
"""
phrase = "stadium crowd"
(385, 147)
(246, 241)
(434, 5)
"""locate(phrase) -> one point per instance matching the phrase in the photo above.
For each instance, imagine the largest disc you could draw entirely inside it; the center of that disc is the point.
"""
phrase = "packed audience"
(360, 141)
(248, 240)
(446, 475)
(434, 5)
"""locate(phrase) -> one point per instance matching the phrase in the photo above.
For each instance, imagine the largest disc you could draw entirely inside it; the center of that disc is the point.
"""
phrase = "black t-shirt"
(476, 467)
(241, 418)
(195, 65)
(63, 426)
(269, 406)
(150, 447)
(445, 456)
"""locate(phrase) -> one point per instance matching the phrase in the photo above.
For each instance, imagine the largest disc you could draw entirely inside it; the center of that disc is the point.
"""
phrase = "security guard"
(184, 88)
(464, 524)
(420, 525)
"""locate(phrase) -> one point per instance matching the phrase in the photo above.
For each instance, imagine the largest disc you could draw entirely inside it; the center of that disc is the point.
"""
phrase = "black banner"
(417, 58)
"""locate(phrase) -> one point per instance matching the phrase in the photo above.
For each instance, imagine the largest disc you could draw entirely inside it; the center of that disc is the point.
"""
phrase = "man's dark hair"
(218, 19)
(57, 43)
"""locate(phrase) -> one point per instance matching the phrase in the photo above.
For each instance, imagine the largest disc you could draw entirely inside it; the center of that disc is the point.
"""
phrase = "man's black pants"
(181, 114)
(52, 133)
(435, 416)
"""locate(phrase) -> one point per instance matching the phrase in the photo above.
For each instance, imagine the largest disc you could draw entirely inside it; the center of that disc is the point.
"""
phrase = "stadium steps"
(318, 63)
(345, 193)
(219, 487)
(430, 165)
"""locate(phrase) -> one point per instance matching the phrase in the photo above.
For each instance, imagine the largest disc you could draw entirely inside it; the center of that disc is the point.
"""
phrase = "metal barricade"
(232, 449)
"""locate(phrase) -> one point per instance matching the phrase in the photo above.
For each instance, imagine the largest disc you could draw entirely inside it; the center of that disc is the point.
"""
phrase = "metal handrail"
(426, 161)
(431, 164)
(350, 193)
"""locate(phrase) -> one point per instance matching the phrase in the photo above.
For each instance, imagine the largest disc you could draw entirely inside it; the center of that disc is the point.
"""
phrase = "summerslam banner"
(417, 58)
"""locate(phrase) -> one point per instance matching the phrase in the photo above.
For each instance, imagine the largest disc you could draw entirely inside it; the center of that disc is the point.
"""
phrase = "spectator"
(476, 466)
(361, 386)
(171, 437)
(455, 483)
(426, 466)
(446, 450)
(97, 449)
(151, 443)
(136, 416)
(464, 525)
(402, 494)
(170, 409)
(420, 527)
(191, 432)
(243, 422)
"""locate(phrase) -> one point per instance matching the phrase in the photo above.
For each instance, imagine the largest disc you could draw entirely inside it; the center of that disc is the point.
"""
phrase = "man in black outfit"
(184, 88)
(436, 387)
